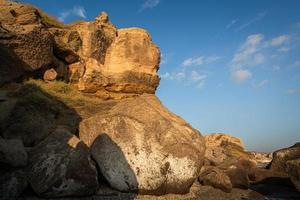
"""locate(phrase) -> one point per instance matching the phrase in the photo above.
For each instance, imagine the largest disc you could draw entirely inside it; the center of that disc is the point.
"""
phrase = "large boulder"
(140, 146)
(61, 166)
(215, 177)
(280, 157)
(12, 153)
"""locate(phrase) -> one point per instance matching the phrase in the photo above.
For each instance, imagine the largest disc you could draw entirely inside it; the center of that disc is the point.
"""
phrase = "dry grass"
(64, 92)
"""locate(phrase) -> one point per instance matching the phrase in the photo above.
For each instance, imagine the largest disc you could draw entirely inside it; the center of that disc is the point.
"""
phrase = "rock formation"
(95, 56)
(90, 95)
(136, 144)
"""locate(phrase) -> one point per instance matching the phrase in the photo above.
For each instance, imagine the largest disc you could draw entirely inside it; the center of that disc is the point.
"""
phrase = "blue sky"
(227, 66)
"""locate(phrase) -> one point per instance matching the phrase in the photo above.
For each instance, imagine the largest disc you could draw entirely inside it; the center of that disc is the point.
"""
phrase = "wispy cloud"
(200, 60)
(231, 23)
(248, 55)
(283, 49)
(191, 78)
(293, 90)
(77, 11)
(278, 41)
(148, 4)
(261, 84)
(193, 61)
(257, 18)
(240, 75)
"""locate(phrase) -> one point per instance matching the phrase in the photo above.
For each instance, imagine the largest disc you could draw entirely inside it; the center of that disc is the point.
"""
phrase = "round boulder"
(140, 146)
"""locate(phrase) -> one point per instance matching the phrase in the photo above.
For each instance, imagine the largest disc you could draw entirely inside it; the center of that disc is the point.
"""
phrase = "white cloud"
(258, 17)
(232, 22)
(283, 49)
(247, 54)
(211, 59)
(165, 75)
(261, 84)
(148, 4)
(193, 61)
(293, 90)
(164, 59)
(199, 60)
(195, 76)
(240, 75)
(78, 11)
(280, 40)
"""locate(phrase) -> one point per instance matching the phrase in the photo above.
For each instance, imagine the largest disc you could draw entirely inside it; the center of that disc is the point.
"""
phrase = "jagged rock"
(12, 153)
(135, 143)
(50, 75)
(293, 169)
(12, 184)
(61, 166)
(215, 177)
(238, 177)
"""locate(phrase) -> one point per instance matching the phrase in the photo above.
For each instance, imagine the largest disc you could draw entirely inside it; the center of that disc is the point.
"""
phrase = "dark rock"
(12, 184)
(12, 153)
(61, 166)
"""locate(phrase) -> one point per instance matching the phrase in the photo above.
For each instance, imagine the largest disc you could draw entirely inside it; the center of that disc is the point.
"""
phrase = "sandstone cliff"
(95, 56)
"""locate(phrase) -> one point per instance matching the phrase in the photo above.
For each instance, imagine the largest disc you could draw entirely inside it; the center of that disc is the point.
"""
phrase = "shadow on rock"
(114, 165)
(59, 164)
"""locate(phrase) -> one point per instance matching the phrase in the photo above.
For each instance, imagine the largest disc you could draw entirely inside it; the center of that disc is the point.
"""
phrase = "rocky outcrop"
(115, 63)
(280, 157)
(135, 143)
(287, 161)
(223, 150)
(61, 166)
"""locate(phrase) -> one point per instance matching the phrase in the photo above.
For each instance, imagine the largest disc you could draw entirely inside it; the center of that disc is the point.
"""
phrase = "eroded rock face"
(128, 66)
(61, 166)
(136, 145)
(118, 63)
